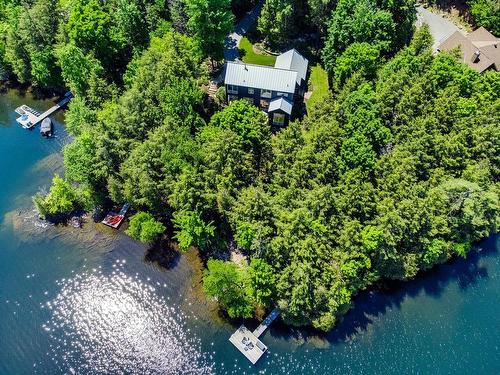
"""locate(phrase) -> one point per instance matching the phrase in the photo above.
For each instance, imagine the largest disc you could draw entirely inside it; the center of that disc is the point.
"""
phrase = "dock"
(266, 322)
(248, 342)
(30, 117)
(113, 219)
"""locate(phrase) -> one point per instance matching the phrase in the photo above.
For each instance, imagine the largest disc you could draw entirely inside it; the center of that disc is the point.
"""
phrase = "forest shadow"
(460, 5)
(450, 5)
(231, 49)
(372, 304)
(164, 253)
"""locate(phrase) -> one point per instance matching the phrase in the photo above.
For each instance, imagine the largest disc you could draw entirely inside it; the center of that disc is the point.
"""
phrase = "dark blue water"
(88, 302)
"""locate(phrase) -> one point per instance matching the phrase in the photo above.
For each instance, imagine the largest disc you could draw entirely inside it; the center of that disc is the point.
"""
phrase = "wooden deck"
(249, 345)
(113, 219)
(30, 118)
(266, 323)
(248, 342)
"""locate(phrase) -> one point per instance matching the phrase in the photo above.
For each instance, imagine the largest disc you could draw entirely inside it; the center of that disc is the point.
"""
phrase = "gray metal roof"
(260, 77)
(280, 103)
(292, 60)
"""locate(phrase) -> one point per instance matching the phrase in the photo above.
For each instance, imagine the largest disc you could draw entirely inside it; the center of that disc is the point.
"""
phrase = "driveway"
(440, 28)
(233, 40)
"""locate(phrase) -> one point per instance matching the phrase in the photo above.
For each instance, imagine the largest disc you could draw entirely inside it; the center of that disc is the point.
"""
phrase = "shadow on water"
(371, 305)
(164, 254)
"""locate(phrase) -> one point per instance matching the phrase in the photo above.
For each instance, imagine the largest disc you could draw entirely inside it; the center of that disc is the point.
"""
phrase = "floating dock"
(30, 118)
(249, 345)
(248, 342)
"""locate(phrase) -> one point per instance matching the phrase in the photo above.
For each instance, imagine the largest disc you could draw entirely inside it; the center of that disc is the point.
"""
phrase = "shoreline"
(369, 306)
(159, 254)
(36, 92)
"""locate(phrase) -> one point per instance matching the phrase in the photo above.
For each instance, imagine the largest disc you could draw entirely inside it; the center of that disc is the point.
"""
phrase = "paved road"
(233, 40)
(440, 27)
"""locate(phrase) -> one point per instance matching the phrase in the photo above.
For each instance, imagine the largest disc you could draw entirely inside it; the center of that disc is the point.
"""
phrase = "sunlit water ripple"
(118, 324)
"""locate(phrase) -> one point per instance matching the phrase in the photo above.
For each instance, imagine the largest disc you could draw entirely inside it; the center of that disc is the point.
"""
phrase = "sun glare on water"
(118, 324)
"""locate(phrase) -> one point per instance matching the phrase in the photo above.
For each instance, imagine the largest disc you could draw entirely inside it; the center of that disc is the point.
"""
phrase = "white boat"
(46, 127)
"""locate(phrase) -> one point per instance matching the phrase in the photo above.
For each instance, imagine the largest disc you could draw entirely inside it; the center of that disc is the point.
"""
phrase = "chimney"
(475, 56)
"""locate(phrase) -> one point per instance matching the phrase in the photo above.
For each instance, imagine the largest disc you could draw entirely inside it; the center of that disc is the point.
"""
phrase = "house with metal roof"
(480, 49)
(274, 89)
(292, 60)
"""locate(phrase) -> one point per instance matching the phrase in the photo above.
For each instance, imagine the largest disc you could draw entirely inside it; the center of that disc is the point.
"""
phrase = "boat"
(46, 127)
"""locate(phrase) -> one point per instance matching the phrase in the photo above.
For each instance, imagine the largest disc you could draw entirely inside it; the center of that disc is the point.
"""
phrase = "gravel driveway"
(440, 28)
(233, 40)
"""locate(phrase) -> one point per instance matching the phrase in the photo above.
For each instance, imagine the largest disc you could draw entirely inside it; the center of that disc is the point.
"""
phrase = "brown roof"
(480, 49)
(482, 34)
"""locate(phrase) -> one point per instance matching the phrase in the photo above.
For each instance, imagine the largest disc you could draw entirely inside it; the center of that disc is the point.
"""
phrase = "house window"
(232, 97)
(264, 104)
(265, 93)
(250, 100)
(232, 89)
(282, 94)
(278, 119)
(250, 91)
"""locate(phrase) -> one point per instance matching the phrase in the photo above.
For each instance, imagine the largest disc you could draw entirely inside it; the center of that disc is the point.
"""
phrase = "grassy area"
(318, 85)
(249, 56)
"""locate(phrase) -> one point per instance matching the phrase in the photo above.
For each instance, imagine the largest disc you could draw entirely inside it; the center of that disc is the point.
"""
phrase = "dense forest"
(395, 171)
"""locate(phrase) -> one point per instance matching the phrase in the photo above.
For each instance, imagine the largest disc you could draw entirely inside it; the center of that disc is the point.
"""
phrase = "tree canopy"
(388, 25)
(486, 13)
(395, 171)
(143, 227)
(209, 21)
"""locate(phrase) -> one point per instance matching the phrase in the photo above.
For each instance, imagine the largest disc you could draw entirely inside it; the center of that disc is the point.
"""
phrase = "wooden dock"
(30, 118)
(266, 322)
(113, 219)
(249, 345)
(248, 342)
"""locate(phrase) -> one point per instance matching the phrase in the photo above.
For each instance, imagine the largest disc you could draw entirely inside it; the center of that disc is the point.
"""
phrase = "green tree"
(422, 40)
(80, 116)
(192, 230)
(357, 21)
(262, 281)
(150, 171)
(29, 42)
(252, 219)
(404, 15)
(209, 22)
(358, 57)
(319, 12)
(62, 198)
(277, 21)
(229, 285)
(143, 227)
(249, 123)
(77, 68)
(91, 29)
(82, 161)
(486, 13)
(178, 15)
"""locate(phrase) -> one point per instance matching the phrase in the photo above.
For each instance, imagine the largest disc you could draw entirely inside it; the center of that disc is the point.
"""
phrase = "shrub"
(62, 199)
(143, 227)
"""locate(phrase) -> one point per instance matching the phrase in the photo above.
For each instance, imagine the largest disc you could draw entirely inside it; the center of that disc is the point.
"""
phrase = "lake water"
(87, 301)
